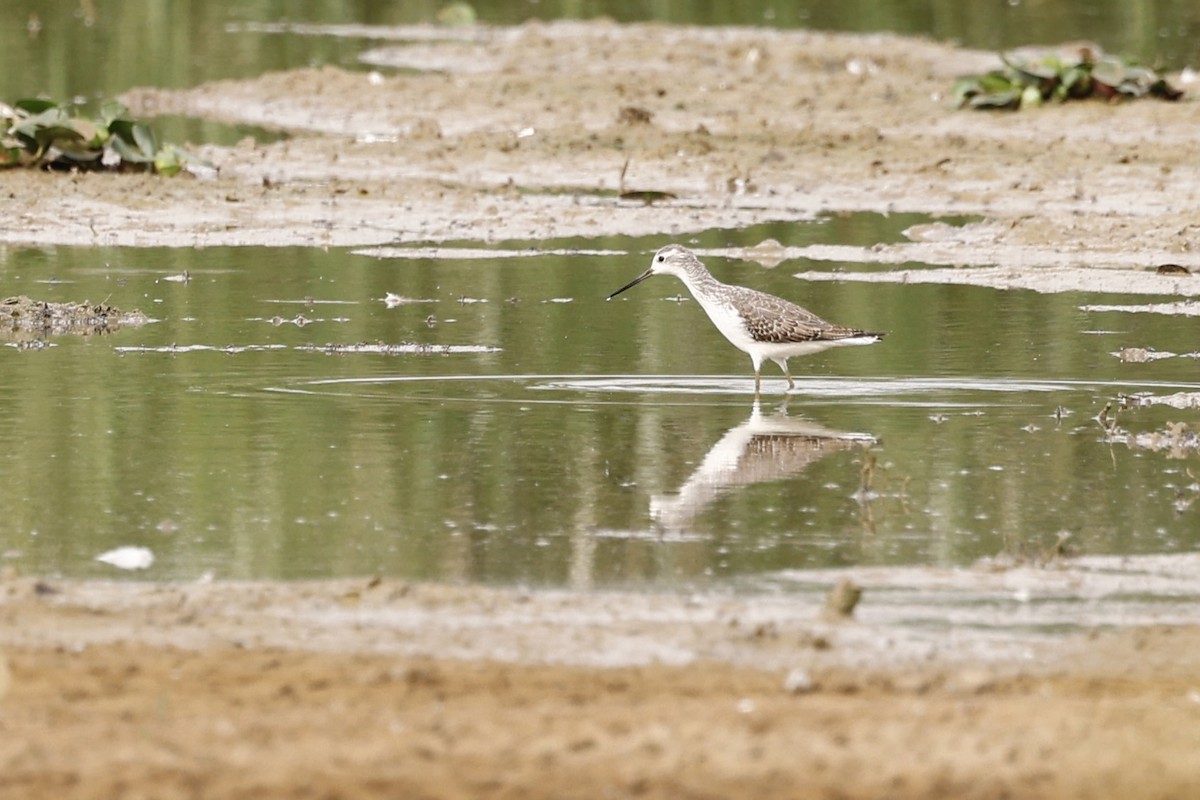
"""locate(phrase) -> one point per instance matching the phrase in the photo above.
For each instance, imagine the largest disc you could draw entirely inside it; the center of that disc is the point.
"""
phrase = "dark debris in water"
(1177, 440)
(1031, 554)
(28, 319)
(1141, 355)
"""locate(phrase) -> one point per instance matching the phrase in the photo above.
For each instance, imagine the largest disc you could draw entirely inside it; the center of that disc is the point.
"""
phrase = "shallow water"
(499, 422)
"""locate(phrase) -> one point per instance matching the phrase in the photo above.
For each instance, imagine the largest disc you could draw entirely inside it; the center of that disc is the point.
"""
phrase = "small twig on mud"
(867, 474)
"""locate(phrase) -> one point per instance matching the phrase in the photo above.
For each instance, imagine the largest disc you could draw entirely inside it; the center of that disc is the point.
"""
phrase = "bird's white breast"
(730, 323)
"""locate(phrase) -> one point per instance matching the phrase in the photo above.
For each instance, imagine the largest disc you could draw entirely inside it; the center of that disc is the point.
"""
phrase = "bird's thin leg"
(757, 381)
(787, 372)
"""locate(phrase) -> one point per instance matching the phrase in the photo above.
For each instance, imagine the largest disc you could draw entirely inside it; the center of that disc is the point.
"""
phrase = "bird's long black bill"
(632, 283)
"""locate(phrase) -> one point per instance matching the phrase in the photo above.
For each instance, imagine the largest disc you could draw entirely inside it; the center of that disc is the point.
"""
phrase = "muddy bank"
(741, 125)
(239, 690)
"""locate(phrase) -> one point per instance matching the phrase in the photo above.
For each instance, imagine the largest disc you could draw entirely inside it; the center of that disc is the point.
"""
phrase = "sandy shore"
(368, 688)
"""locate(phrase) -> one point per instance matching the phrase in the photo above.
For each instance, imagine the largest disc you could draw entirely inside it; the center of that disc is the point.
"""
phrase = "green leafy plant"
(1030, 79)
(43, 134)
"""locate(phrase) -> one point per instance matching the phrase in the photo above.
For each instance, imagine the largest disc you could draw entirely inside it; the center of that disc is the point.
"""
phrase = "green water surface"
(536, 433)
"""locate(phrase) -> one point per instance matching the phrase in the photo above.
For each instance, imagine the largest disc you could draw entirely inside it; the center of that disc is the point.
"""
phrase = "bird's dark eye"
(661, 259)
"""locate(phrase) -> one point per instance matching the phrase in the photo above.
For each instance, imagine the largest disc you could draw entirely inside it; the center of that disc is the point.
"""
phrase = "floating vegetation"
(1031, 78)
(36, 319)
(45, 135)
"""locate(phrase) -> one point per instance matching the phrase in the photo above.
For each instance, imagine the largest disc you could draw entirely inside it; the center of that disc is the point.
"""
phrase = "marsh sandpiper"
(757, 323)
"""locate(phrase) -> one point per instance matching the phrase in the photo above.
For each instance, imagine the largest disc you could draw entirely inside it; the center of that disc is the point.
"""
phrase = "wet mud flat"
(356, 688)
(27, 322)
(475, 138)
(349, 689)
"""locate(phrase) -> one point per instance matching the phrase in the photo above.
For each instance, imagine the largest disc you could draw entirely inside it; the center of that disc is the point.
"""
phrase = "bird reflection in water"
(768, 447)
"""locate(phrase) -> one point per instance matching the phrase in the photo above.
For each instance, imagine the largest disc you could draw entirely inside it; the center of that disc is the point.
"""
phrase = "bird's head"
(673, 259)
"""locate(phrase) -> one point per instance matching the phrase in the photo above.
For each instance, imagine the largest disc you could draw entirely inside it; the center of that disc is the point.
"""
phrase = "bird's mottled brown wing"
(773, 319)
